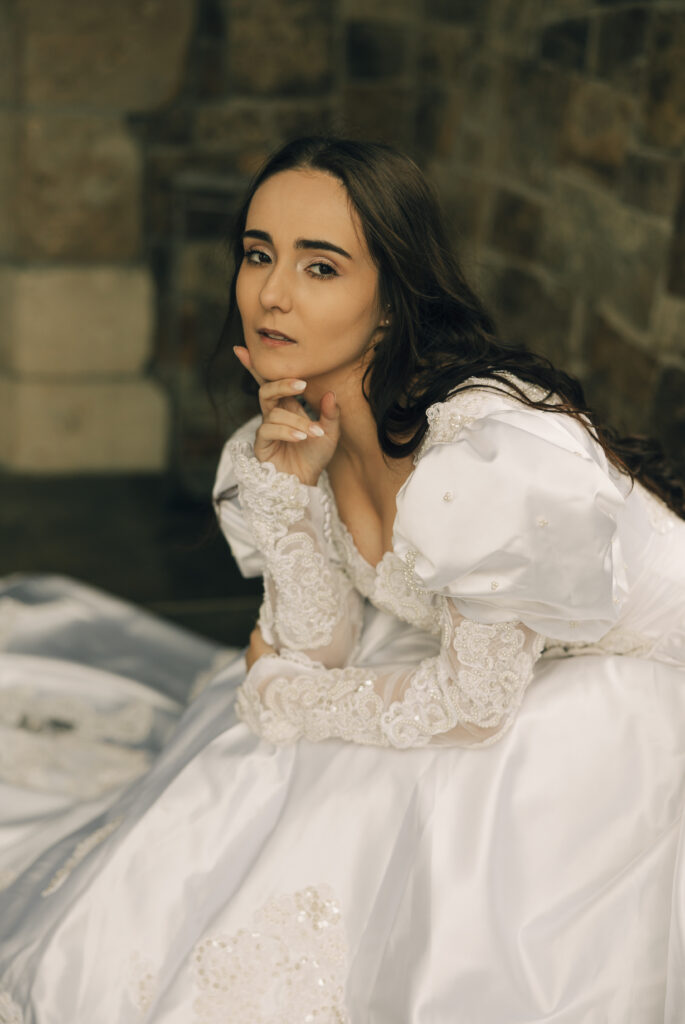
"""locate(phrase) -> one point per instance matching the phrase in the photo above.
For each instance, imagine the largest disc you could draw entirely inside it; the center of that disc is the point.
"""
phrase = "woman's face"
(307, 289)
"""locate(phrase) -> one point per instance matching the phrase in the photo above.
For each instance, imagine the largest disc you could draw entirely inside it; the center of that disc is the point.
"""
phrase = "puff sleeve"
(516, 519)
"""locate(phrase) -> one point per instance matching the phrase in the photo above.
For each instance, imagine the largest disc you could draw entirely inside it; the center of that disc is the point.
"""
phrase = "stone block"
(621, 378)
(668, 328)
(79, 188)
(622, 46)
(382, 8)
(664, 114)
(517, 224)
(76, 321)
(9, 53)
(375, 49)
(232, 125)
(465, 199)
(605, 250)
(438, 120)
(7, 181)
(279, 50)
(384, 113)
(292, 119)
(513, 27)
(650, 182)
(128, 56)
(668, 422)
(596, 128)
(528, 134)
(444, 51)
(565, 43)
(110, 426)
(532, 310)
(676, 270)
(463, 11)
(204, 271)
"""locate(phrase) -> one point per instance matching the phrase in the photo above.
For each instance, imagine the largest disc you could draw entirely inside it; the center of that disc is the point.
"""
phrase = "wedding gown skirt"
(161, 863)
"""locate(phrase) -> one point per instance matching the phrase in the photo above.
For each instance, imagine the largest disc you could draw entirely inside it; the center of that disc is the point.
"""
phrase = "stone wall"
(554, 130)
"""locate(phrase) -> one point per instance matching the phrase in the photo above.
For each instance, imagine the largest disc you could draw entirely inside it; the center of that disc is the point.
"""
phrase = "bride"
(473, 592)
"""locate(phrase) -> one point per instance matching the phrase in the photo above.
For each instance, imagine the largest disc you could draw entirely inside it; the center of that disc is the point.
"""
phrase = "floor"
(140, 538)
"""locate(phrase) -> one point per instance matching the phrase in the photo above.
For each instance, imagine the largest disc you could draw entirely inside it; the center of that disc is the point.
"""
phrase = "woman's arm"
(466, 695)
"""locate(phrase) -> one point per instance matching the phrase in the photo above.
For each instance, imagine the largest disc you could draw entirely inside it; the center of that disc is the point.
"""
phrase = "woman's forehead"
(306, 203)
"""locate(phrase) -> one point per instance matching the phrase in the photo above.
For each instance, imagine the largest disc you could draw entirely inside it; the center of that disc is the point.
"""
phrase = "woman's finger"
(269, 432)
(272, 391)
(298, 421)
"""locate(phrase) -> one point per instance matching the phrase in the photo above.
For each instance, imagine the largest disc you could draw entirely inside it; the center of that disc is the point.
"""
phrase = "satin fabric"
(541, 879)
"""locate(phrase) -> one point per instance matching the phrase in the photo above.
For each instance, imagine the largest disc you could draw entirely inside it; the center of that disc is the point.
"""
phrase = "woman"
(442, 532)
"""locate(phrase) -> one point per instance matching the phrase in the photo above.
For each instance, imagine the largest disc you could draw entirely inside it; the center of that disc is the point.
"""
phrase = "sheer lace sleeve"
(309, 605)
(466, 695)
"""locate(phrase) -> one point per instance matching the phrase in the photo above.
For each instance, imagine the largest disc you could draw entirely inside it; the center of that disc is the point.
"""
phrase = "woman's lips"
(274, 339)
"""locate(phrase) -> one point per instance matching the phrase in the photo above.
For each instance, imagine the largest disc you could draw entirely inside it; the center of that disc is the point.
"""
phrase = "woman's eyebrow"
(301, 243)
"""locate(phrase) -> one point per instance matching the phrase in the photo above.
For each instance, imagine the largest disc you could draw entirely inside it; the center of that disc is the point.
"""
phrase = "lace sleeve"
(309, 605)
(466, 695)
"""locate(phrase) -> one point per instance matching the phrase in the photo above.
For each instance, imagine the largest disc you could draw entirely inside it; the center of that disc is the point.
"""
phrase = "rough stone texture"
(529, 130)
(467, 11)
(516, 225)
(74, 427)
(606, 250)
(622, 46)
(8, 52)
(275, 49)
(232, 125)
(669, 414)
(621, 378)
(381, 112)
(676, 272)
(596, 129)
(375, 49)
(565, 43)
(465, 201)
(439, 117)
(531, 310)
(79, 188)
(7, 178)
(373, 8)
(669, 326)
(664, 123)
(302, 118)
(120, 57)
(444, 51)
(99, 321)
(650, 182)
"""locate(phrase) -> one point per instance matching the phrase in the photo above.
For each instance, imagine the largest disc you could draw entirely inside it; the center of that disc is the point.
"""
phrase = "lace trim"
(447, 419)
(272, 501)
(288, 966)
(317, 705)
(662, 519)
(41, 712)
(141, 982)
(67, 764)
(10, 1012)
(426, 709)
(616, 641)
(79, 853)
(494, 672)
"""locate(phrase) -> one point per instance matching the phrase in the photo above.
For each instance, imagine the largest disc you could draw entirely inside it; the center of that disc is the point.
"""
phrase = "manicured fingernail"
(316, 430)
(299, 435)
(299, 385)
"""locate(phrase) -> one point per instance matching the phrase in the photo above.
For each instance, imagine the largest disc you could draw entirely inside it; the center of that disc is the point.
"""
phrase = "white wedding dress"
(491, 831)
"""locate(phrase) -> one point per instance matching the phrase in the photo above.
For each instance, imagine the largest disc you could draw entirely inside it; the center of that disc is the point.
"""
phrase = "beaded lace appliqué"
(311, 597)
(10, 1012)
(79, 853)
(288, 967)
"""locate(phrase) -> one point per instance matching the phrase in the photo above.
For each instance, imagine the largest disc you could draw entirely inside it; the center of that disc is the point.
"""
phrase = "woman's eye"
(256, 256)
(322, 270)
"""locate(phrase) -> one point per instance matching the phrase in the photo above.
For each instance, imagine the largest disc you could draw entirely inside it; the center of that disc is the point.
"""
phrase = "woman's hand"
(257, 647)
(287, 437)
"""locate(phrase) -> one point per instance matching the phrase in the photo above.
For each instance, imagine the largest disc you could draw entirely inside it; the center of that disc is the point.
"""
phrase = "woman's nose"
(276, 290)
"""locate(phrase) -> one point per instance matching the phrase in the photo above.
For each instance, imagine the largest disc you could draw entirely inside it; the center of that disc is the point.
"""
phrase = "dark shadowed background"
(553, 129)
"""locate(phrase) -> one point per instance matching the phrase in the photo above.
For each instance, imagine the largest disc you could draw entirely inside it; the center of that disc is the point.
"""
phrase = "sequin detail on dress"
(10, 1012)
(288, 967)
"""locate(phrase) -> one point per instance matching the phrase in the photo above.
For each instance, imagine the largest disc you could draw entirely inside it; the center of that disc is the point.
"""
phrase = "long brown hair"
(440, 335)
